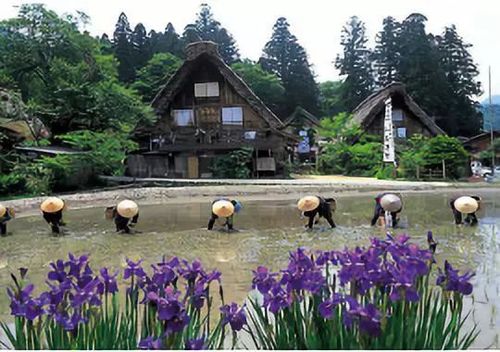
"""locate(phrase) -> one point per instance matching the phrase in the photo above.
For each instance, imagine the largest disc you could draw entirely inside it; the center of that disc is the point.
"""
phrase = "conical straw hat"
(466, 205)
(3, 210)
(223, 208)
(391, 202)
(127, 208)
(52, 205)
(308, 203)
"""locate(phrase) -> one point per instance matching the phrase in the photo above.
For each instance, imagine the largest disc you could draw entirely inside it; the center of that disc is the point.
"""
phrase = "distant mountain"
(485, 109)
(495, 100)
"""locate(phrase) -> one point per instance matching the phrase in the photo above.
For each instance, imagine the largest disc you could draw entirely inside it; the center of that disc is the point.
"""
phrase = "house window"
(397, 115)
(232, 116)
(184, 117)
(401, 132)
(209, 89)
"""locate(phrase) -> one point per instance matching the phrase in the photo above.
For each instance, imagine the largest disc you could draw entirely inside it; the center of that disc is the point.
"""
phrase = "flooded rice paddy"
(268, 229)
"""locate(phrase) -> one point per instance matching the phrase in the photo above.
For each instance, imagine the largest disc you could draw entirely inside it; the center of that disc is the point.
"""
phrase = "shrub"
(235, 164)
(430, 153)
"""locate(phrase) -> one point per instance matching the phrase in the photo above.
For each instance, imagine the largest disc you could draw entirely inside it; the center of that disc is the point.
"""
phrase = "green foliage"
(62, 74)
(233, 165)
(155, 74)
(348, 151)
(486, 155)
(104, 152)
(267, 86)
(339, 128)
(330, 98)
(430, 152)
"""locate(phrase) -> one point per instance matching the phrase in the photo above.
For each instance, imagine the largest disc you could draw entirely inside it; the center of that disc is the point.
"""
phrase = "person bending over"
(387, 209)
(465, 205)
(310, 206)
(52, 210)
(224, 208)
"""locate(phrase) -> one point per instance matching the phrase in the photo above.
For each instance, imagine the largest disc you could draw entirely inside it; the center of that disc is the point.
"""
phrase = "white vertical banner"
(389, 153)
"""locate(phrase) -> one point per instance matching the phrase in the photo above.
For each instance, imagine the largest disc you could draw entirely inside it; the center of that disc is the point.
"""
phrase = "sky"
(317, 24)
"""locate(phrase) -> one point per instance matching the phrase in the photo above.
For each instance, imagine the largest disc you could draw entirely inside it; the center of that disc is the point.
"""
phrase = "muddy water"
(267, 231)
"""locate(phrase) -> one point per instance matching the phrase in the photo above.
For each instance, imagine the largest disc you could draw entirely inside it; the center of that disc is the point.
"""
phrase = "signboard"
(389, 153)
(304, 146)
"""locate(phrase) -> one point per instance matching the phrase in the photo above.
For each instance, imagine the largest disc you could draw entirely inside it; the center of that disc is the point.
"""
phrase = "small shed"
(302, 124)
(408, 118)
(480, 143)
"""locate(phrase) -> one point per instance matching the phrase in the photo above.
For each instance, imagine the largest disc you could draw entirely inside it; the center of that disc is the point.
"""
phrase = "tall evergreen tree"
(285, 57)
(106, 45)
(461, 74)
(166, 42)
(123, 49)
(386, 55)
(141, 51)
(421, 72)
(207, 28)
(354, 64)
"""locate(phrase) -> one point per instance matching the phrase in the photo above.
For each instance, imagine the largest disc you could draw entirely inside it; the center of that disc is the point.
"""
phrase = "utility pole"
(493, 155)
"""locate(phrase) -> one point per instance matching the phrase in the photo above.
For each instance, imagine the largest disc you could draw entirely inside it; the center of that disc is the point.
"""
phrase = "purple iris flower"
(234, 315)
(22, 304)
(214, 275)
(277, 299)
(177, 323)
(327, 307)
(87, 294)
(324, 257)
(67, 321)
(198, 293)
(196, 344)
(190, 272)
(451, 280)
(107, 282)
(263, 280)
(150, 343)
(368, 317)
(168, 308)
(133, 269)
(163, 275)
(76, 264)
(58, 272)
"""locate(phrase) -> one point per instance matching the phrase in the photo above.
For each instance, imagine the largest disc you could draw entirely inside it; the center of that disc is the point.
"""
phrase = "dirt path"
(249, 190)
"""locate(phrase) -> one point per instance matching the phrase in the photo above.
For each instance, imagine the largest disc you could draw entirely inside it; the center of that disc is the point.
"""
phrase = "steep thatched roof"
(369, 108)
(301, 113)
(207, 51)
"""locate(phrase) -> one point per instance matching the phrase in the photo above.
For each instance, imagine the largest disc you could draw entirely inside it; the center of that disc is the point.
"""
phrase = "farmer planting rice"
(125, 215)
(224, 208)
(467, 205)
(310, 206)
(52, 209)
(5, 215)
(387, 208)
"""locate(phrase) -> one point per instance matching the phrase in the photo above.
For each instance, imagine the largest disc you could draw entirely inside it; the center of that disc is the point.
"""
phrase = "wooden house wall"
(412, 124)
(187, 151)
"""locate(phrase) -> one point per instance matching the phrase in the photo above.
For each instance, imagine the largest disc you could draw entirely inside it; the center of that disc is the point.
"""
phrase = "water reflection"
(268, 230)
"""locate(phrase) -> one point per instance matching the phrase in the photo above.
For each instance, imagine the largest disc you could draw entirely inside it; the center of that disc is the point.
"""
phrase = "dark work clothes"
(324, 210)
(122, 223)
(54, 220)
(3, 222)
(379, 211)
(213, 217)
(470, 219)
